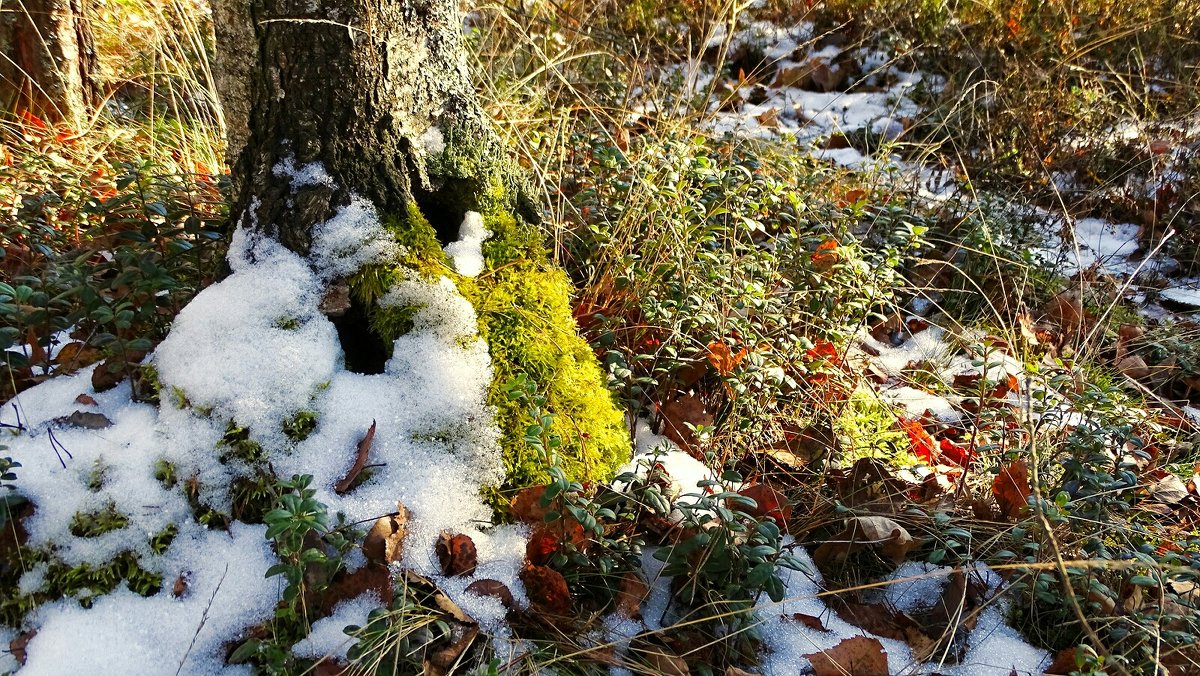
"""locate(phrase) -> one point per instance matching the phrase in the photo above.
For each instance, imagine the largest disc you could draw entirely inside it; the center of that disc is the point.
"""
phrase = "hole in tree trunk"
(365, 352)
(446, 207)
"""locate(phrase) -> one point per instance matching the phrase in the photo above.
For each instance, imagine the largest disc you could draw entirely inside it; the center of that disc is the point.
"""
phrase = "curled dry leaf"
(548, 538)
(678, 413)
(1011, 488)
(384, 543)
(182, 584)
(527, 505)
(444, 660)
(892, 539)
(858, 656)
(547, 589)
(360, 461)
(810, 621)
(768, 503)
(86, 400)
(630, 594)
(16, 647)
(85, 420)
(1133, 366)
(456, 553)
(492, 588)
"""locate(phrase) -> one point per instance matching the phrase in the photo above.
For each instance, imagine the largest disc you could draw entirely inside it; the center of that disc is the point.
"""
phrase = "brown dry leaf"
(182, 584)
(104, 377)
(810, 621)
(384, 543)
(1169, 490)
(768, 503)
(794, 76)
(329, 666)
(678, 413)
(1011, 488)
(85, 420)
(16, 647)
(858, 656)
(1066, 310)
(892, 539)
(1133, 366)
(493, 588)
(630, 594)
(547, 589)
(37, 354)
(371, 577)
(876, 618)
(85, 399)
(667, 665)
(1130, 332)
(336, 300)
(527, 505)
(73, 356)
(360, 461)
(443, 660)
(886, 329)
(769, 118)
(456, 553)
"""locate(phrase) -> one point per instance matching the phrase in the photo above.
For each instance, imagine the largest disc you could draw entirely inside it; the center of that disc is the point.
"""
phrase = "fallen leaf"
(72, 356)
(493, 588)
(810, 621)
(37, 354)
(826, 255)
(526, 505)
(630, 594)
(456, 553)
(680, 412)
(1133, 366)
(1064, 663)
(857, 656)
(16, 647)
(373, 577)
(336, 300)
(548, 538)
(769, 118)
(768, 503)
(182, 584)
(85, 399)
(922, 444)
(547, 589)
(723, 359)
(1065, 310)
(384, 543)
(862, 531)
(666, 665)
(360, 461)
(88, 421)
(445, 659)
(1011, 488)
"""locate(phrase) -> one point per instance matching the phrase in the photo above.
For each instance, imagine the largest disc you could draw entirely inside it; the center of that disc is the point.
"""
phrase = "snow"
(254, 349)
(467, 251)
(328, 637)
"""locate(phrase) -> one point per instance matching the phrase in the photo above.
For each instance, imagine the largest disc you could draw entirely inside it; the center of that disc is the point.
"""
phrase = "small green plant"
(299, 426)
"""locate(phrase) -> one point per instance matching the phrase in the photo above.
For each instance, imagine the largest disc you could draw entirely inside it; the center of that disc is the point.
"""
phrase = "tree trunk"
(376, 91)
(48, 60)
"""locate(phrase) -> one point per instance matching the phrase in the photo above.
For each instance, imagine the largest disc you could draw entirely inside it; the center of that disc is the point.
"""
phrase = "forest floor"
(902, 302)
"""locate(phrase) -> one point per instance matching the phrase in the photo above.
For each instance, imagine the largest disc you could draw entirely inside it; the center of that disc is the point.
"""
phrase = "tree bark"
(48, 60)
(378, 92)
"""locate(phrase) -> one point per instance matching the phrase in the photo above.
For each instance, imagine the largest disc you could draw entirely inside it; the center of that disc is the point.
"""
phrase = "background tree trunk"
(48, 60)
(378, 92)
(235, 60)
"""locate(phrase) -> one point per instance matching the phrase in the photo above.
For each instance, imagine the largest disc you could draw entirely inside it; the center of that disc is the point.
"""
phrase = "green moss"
(161, 541)
(146, 384)
(867, 428)
(93, 524)
(237, 444)
(299, 426)
(164, 472)
(253, 497)
(84, 582)
(525, 317)
(98, 475)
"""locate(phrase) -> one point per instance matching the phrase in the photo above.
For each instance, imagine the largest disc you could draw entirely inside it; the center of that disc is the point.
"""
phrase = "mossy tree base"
(377, 93)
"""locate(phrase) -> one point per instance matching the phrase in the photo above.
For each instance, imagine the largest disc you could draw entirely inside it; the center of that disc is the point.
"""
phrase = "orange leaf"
(456, 553)
(723, 359)
(1011, 488)
(922, 444)
(33, 120)
(826, 255)
(547, 589)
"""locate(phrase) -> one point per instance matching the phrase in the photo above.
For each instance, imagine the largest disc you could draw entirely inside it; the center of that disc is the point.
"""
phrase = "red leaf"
(547, 589)
(770, 502)
(1011, 488)
(456, 553)
(922, 444)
